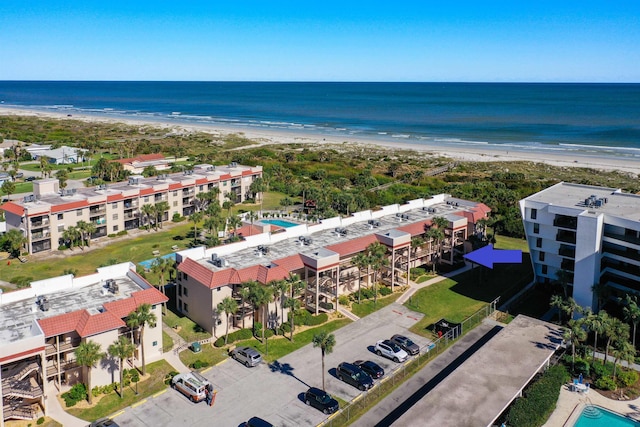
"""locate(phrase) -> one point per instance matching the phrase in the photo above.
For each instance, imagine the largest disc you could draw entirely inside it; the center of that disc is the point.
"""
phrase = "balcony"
(99, 221)
(329, 291)
(64, 366)
(131, 215)
(567, 251)
(64, 346)
(40, 235)
(629, 238)
(566, 236)
(97, 211)
(131, 204)
(614, 279)
(618, 250)
(188, 192)
(565, 222)
(620, 266)
(568, 264)
(42, 222)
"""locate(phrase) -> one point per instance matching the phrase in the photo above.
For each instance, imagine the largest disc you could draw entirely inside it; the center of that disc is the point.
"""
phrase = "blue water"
(590, 119)
(147, 264)
(279, 223)
(593, 416)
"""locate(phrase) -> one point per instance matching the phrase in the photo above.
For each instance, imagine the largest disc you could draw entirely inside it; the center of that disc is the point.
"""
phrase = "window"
(185, 307)
(201, 188)
(179, 290)
(60, 228)
(60, 217)
(78, 212)
(534, 213)
(155, 344)
(185, 277)
(146, 199)
(115, 228)
(539, 242)
(536, 228)
(175, 203)
(186, 291)
(175, 193)
(218, 289)
(114, 205)
(115, 216)
(544, 269)
(224, 184)
(541, 256)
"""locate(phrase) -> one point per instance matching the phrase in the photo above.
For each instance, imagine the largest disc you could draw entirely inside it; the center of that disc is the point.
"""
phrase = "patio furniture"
(156, 253)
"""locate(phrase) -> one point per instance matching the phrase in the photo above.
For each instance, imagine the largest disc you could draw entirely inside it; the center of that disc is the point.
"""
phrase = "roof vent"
(233, 164)
(112, 286)
(29, 198)
(43, 303)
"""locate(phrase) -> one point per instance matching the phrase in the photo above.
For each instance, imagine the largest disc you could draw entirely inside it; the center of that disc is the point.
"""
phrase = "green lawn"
(85, 262)
(367, 307)
(189, 330)
(167, 342)
(209, 354)
(281, 346)
(112, 403)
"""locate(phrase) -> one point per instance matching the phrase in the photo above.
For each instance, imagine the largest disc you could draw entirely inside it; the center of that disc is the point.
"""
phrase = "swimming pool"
(595, 416)
(146, 264)
(279, 223)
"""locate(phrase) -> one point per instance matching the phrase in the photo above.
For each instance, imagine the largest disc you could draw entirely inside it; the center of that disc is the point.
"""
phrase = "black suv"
(373, 369)
(320, 399)
(406, 344)
(353, 375)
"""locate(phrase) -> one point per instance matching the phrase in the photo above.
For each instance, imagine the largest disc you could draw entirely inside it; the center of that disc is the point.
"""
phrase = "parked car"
(30, 178)
(390, 350)
(321, 400)
(351, 374)
(247, 355)
(406, 344)
(192, 385)
(373, 369)
(257, 422)
(105, 422)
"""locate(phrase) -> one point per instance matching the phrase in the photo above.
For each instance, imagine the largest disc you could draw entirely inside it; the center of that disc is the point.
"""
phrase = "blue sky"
(558, 41)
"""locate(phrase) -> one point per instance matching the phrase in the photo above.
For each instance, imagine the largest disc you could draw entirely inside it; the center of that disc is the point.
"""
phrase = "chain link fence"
(366, 400)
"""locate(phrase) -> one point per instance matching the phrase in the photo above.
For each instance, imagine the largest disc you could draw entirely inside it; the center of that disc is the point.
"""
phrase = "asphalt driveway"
(275, 392)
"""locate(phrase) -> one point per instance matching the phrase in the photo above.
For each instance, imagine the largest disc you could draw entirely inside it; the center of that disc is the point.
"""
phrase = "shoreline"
(464, 153)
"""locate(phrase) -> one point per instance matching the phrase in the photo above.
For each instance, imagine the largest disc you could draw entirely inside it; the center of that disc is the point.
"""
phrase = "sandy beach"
(272, 136)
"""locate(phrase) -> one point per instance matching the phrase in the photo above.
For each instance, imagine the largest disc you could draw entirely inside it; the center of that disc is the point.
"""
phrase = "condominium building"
(44, 216)
(591, 234)
(321, 255)
(44, 324)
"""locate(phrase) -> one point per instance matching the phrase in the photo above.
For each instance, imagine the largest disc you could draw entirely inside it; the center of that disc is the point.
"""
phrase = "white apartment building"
(44, 216)
(592, 233)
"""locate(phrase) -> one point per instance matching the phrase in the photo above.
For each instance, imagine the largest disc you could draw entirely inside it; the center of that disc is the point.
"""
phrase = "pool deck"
(570, 404)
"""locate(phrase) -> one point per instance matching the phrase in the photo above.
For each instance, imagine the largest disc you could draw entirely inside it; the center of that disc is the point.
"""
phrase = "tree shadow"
(285, 369)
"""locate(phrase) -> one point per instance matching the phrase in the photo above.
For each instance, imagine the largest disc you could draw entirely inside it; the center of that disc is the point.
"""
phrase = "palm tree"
(88, 354)
(361, 260)
(293, 304)
(557, 302)
(622, 350)
(563, 278)
(602, 293)
(326, 342)
(71, 235)
(377, 255)
(234, 223)
(15, 240)
(86, 230)
(615, 330)
(279, 289)
(121, 349)
(162, 266)
(161, 208)
(139, 318)
(148, 210)
(251, 216)
(596, 324)
(229, 306)
(196, 217)
(631, 313)
(575, 334)
(245, 293)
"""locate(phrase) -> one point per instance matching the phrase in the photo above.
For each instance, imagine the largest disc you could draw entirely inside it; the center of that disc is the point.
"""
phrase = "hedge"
(539, 399)
(239, 335)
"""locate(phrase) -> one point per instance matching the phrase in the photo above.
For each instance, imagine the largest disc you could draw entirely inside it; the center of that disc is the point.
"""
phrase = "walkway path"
(172, 356)
(55, 410)
(346, 313)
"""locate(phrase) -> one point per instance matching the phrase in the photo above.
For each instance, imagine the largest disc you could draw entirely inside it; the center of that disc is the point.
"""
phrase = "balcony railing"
(567, 251)
(566, 236)
(64, 346)
(131, 204)
(626, 253)
(131, 215)
(568, 264)
(40, 223)
(566, 222)
(97, 211)
(41, 235)
(620, 266)
(623, 237)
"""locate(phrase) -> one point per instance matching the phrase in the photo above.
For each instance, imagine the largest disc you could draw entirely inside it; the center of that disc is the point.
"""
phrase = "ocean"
(583, 119)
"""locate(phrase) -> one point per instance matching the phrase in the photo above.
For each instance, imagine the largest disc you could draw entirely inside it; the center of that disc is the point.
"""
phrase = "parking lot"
(274, 391)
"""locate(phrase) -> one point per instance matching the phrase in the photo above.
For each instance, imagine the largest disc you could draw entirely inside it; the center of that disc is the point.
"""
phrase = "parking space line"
(355, 399)
(206, 370)
(160, 392)
(138, 403)
(220, 363)
(116, 414)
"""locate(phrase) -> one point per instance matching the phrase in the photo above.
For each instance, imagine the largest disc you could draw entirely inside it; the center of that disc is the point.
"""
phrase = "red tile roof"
(209, 278)
(69, 206)
(353, 246)
(61, 324)
(121, 308)
(13, 208)
(142, 158)
(290, 263)
(98, 323)
(250, 230)
(417, 228)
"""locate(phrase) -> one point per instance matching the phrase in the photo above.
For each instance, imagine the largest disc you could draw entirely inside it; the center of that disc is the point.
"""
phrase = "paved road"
(274, 392)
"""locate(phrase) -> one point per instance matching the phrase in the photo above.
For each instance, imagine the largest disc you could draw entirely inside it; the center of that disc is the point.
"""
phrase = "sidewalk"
(171, 356)
(55, 410)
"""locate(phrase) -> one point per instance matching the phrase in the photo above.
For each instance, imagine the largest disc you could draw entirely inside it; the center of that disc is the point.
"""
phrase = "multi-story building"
(44, 324)
(322, 256)
(44, 216)
(585, 236)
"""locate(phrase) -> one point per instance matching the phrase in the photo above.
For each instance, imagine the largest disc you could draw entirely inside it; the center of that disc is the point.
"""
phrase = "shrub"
(539, 399)
(40, 421)
(269, 333)
(627, 378)
(135, 375)
(122, 233)
(343, 300)
(582, 367)
(257, 329)
(599, 370)
(77, 393)
(199, 364)
(111, 235)
(416, 272)
(241, 334)
(317, 320)
(384, 291)
(169, 376)
(605, 382)
(177, 217)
